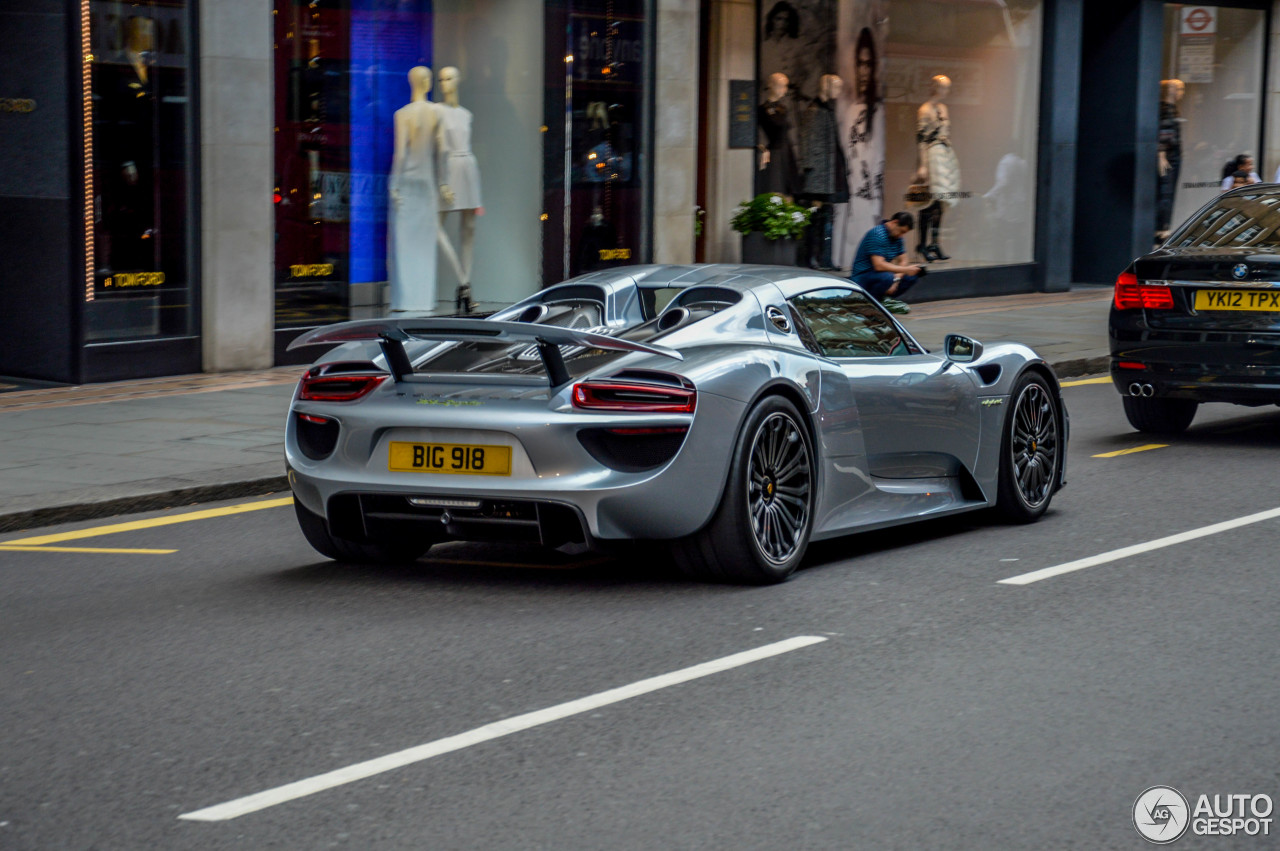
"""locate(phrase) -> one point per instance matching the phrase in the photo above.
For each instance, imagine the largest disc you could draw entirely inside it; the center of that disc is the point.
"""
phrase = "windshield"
(1234, 221)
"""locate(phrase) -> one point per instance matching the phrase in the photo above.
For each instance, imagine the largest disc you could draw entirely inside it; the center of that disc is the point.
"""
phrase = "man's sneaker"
(894, 306)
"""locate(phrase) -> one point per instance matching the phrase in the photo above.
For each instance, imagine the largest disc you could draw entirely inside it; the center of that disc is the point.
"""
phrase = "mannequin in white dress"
(414, 200)
(459, 183)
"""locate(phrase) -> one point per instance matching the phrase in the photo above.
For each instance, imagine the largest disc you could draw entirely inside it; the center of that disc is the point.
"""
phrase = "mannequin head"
(830, 87)
(1171, 91)
(865, 66)
(447, 82)
(776, 89)
(419, 81)
(940, 86)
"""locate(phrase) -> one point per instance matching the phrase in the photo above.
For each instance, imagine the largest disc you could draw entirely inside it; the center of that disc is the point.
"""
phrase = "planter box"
(769, 252)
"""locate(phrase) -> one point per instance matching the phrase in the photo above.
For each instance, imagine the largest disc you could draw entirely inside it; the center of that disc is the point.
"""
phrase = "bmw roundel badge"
(1240, 271)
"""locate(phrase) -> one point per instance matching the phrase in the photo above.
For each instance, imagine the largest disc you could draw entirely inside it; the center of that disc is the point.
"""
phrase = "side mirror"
(961, 349)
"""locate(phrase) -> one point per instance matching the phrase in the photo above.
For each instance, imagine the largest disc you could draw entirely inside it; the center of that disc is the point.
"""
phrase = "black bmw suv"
(1198, 320)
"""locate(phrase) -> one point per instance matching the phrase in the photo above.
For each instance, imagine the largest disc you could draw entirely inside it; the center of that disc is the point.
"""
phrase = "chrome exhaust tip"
(1148, 390)
(1137, 389)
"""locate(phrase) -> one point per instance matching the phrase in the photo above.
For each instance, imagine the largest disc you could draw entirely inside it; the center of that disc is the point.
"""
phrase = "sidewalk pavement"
(77, 453)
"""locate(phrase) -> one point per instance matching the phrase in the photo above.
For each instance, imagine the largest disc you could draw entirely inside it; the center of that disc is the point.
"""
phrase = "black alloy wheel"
(1030, 450)
(779, 486)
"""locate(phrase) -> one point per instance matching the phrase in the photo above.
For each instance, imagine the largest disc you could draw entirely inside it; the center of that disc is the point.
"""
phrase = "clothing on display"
(415, 192)
(933, 130)
(460, 172)
(777, 133)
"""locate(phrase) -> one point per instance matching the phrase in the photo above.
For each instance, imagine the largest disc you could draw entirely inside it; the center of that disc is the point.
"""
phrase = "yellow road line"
(82, 550)
(1104, 380)
(134, 525)
(1119, 452)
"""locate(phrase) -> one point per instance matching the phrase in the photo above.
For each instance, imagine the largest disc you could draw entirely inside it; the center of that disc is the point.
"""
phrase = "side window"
(847, 324)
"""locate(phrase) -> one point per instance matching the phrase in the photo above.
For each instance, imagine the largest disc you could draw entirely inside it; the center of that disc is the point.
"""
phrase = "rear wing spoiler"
(392, 334)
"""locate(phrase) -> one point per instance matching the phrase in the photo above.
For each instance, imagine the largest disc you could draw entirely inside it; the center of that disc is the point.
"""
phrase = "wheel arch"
(787, 390)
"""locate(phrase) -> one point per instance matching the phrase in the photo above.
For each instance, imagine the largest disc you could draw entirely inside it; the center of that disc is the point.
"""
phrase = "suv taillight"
(635, 396)
(338, 388)
(1132, 295)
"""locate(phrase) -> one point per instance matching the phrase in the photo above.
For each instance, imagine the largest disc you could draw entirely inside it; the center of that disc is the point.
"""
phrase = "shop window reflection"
(140, 141)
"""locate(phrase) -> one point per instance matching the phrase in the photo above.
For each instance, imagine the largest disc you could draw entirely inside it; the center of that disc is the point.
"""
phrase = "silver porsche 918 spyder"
(735, 412)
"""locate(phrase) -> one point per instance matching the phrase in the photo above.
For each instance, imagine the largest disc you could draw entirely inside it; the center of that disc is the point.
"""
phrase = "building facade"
(189, 184)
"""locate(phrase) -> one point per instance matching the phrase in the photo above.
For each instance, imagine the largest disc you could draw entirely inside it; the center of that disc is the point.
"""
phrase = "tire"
(316, 531)
(760, 532)
(1031, 450)
(1159, 416)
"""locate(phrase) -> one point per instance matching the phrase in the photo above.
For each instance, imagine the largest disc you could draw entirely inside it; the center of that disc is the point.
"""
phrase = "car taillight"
(338, 388)
(1132, 295)
(634, 396)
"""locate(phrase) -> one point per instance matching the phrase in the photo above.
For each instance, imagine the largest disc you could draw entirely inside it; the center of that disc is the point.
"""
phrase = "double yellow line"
(41, 543)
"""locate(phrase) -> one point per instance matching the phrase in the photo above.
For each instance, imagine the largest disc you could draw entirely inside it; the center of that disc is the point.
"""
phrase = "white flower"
(775, 199)
(797, 217)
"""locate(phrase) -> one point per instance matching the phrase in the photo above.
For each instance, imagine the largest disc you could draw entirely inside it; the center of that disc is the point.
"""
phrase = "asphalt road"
(940, 709)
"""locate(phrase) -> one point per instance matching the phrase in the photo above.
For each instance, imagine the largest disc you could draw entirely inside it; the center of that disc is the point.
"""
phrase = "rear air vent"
(650, 376)
(673, 318)
(532, 313)
(632, 450)
(317, 436)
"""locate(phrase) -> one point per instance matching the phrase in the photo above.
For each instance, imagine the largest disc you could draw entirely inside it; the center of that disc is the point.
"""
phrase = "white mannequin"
(936, 166)
(459, 183)
(411, 250)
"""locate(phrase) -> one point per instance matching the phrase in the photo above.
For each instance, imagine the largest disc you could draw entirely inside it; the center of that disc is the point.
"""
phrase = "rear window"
(1236, 221)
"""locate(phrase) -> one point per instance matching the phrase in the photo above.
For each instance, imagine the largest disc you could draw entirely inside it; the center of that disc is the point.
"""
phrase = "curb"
(261, 486)
(158, 501)
(1082, 366)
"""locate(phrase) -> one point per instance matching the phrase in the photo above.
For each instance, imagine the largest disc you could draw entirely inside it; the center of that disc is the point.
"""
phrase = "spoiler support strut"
(397, 359)
(553, 362)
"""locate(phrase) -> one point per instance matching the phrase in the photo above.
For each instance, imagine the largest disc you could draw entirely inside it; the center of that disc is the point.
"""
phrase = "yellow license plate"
(466, 458)
(1267, 300)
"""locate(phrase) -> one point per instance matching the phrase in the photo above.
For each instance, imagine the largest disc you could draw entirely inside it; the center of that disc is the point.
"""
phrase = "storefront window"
(595, 202)
(936, 113)
(1210, 107)
(408, 144)
(138, 229)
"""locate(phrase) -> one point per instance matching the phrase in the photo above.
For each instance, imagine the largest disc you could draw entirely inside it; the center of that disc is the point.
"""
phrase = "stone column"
(730, 173)
(236, 179)
(676, 132)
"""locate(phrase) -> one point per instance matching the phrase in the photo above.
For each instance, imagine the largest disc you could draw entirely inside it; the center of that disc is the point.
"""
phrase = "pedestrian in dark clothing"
(879, 266)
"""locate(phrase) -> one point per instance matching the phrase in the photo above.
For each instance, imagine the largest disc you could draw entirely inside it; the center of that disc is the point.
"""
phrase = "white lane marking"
(1125, 552)
(362, 770)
